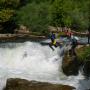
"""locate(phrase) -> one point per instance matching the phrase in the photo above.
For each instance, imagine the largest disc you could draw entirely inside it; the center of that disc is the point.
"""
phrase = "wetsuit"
(53, 37)
(53, 41)
(74, 45)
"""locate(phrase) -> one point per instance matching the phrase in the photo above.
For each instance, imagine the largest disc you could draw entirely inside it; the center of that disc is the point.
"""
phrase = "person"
(53, 40)
(68, 33)
(74, 43)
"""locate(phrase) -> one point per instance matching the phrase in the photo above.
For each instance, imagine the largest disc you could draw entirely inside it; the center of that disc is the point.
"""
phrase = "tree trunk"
(1, 28)
(88, 39)
(89, 35)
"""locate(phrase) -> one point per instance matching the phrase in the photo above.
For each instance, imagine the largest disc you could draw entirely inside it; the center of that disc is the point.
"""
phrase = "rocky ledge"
(71, 64)
(22, 84)
(16, 37)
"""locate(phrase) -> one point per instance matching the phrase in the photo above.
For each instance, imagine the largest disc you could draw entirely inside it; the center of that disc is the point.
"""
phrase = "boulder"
(70, 64)
(22, 84)
(86, 69)
(22, 30)
(83, 54)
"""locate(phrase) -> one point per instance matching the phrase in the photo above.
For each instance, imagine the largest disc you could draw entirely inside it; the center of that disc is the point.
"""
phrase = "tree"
(6, 15)
(57, 13)
(7, 12)
(34, 16)
(13, 4)
(70, 13)
(88, 8)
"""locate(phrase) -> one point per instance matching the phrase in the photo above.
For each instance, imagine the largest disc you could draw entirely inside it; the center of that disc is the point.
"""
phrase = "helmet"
(76, 38)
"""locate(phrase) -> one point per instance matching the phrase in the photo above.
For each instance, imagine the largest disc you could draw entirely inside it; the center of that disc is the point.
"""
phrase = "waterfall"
(33, 61)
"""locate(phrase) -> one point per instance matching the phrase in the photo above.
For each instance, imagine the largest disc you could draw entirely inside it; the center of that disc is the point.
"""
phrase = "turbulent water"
(32, 61)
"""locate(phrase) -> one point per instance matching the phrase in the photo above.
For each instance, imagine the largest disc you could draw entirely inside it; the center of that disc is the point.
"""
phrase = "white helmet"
(76, 38)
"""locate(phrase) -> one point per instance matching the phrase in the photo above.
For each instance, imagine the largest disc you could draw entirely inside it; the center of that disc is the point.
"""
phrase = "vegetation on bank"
(37, 15)
(83, 53)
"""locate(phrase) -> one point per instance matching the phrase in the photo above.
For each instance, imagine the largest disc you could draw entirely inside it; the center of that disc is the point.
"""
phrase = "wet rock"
(70, 64)
(86, 69)
(20, 37)
(83, 54)
(22, 84)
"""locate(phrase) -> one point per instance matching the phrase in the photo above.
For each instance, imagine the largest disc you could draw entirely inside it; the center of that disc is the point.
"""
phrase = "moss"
(83, 53)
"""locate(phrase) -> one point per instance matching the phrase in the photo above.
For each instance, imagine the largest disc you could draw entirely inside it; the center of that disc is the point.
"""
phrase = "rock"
(55, 29)
(83, 54)
(86, 69)
(22, 84)
(22, 30)
(70, 64)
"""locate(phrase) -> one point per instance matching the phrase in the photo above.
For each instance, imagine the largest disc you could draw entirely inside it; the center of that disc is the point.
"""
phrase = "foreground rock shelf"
(22, 84)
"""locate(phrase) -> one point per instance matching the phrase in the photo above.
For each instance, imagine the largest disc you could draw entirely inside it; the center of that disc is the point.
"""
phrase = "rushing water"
(32, 61)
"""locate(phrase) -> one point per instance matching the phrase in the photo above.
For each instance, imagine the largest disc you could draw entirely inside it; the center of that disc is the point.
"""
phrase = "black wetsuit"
(74, 45)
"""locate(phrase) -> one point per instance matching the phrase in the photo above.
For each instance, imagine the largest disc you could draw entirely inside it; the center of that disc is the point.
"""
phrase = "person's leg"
(50, 45)
(55, 43)
(73, 50)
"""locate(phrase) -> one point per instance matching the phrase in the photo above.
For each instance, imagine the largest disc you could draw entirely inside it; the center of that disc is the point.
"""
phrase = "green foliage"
(71, 13)
(9, 3)
(79, 16)
(39, 14)
(34, 16)
(38, 1)
(6, 15)
(7, 9)
(83, 53)
(57, 13)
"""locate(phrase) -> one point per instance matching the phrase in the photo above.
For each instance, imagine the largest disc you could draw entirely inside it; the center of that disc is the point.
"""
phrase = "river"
(33, 61)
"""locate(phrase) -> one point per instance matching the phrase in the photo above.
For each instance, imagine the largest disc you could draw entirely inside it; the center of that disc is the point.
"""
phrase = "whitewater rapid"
(32, 61)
